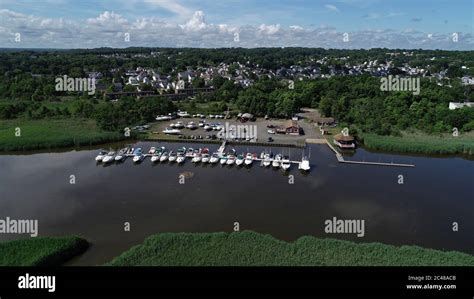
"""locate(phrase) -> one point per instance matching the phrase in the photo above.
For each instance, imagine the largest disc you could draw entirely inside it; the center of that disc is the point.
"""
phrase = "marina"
(203, 155)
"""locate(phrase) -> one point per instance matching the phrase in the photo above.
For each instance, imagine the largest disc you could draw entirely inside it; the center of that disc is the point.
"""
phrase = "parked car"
(271, 131)
(270, 139)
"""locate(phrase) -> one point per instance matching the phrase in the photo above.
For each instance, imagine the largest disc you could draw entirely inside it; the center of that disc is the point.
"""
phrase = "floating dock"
(341, 159)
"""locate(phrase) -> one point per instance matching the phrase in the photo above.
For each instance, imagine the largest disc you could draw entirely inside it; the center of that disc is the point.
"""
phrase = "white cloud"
(108, 29)
(269, 29)
(332, 7)
(197, 22)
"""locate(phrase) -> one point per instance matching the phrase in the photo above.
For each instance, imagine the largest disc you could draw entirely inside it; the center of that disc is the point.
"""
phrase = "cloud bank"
(110, 29)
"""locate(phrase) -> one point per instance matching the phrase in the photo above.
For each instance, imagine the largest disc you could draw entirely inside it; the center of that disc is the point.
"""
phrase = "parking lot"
(255, 131)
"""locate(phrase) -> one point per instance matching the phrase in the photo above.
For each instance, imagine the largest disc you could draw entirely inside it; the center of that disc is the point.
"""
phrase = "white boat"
(152, 150)
(121, 155)
(157, 155)
(180, 158)
(109, 157)
(191, 125)
(196, 158)
(155, 158)
(239, 160)
(178, 125)
(163, 117)
(171, 131)
(138, 156)
(223, 160)
(248, 159)
(214, 158)
(205, 158)
(190, 152)
(276, 161)
(172, 156)
(304, 164)
(285, 163)
(100, 156)
(230, 160)
(183, 114)
(267, 160)
(164, 157)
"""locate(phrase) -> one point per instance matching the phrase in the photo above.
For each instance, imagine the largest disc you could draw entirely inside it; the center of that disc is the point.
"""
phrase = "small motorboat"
(138, 156)
(121, 155)
(239, 160)
(223, 160)
(100, 156)
(214, 158)
(304, 164)
(248, 159)
(108, 158)
(180, 158)
(196, 158)
(152, 150)
(230, 160)
(171, 131)
(157, 155)
(285, 163)
(205, 158)
(276, 161)
(164, 156)
(191, 125)
(190, 152)
(172, 156)
(267, 160)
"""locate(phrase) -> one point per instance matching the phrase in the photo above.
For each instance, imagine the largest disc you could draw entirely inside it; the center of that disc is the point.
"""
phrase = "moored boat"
(214, 158)
(239, 160)
(230, 160)
(285, 163)
(172, 156)
(100, 156)
(205, 158)
(108, 158)
(138, 156)
(276, 161)
(164, 156)
(249, 159)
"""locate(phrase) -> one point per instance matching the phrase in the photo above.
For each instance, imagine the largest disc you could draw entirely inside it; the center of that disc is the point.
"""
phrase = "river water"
(421, 211)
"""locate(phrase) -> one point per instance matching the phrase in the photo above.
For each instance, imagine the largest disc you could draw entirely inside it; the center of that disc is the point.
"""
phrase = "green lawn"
(52, 133)
(254, 249)
(41, 251)
(422, 143)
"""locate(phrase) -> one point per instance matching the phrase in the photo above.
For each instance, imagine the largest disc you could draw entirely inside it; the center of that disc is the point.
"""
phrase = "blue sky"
(390, 22)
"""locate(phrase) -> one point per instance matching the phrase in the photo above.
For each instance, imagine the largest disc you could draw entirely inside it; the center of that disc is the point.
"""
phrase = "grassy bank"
(422, 143)
(52, 133)
(41, 251)
(254, 249)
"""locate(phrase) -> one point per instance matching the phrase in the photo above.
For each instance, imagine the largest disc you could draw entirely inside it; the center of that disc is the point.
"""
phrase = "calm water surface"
(436, 193)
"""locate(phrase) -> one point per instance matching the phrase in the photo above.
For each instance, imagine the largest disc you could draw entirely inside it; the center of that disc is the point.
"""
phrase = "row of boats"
(175, 128)
(201, 155)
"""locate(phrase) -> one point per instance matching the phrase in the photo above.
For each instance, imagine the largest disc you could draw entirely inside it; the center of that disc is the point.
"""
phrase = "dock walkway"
(341, 159)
